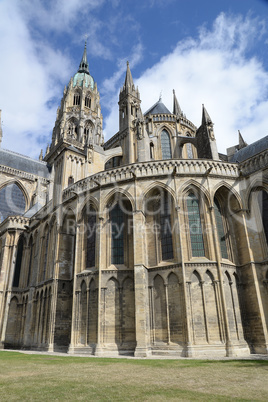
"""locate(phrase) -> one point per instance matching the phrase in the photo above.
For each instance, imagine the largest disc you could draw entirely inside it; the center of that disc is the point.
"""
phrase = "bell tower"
(77, 130)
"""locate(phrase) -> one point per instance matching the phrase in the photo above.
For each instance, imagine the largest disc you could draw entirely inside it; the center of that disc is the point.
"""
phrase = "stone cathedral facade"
(149, 243)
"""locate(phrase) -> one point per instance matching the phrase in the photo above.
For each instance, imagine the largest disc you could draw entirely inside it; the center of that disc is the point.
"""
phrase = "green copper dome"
(82, 76)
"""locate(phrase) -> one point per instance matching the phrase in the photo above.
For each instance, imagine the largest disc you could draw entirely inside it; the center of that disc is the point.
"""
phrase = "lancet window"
(88, 101)
(195, 226)
(220, 228)
(165, 145)
(18, 264)
(117, 238)
(76, 99)
(91, 239)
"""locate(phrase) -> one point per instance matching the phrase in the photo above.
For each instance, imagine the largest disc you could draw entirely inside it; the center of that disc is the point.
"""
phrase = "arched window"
(189, 151)
(263, 203)
(113, 162)
(12, 201)
(158, 207)
(76, 99)
(165, 145)
(72, 128)
(220, 228)
(88, 101)
(70, 180)
(18, 264)
(91, 239)
(117, 230)
(166, 229)
(151, 150)
(195, 226)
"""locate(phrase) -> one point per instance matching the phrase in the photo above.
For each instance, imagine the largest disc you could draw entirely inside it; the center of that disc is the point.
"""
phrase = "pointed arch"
(195, 277)
(117, 195)
(89, 202)
(198, 189)
(210, 275)
(72, 127)
(233, 197)
(14, 199)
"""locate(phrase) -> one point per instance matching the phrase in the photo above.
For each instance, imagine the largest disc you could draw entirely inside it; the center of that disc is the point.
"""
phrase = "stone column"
(229, 345)
(100, 257)
(143, 348)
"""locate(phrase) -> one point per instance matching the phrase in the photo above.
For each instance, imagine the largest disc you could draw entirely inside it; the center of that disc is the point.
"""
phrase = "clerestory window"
(165, 145)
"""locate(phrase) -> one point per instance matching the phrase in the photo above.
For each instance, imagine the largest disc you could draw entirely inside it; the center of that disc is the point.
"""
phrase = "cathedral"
(151, 243)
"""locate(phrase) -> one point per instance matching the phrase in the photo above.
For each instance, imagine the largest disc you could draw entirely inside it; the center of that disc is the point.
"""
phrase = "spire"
(128, 80)
(41, 155)
(83, 67)
(242, 143)
(206, 117)
(176, 107)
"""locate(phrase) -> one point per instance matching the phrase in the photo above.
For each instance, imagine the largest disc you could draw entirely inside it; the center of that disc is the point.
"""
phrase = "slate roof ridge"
(251, 150)
(159, 102)
(23, 156)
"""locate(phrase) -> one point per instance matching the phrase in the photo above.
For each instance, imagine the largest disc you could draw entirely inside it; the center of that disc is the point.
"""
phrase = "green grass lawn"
(44, 377)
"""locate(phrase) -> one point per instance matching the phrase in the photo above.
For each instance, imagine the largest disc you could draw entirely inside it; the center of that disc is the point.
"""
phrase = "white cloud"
(32, 77)
(213, 69)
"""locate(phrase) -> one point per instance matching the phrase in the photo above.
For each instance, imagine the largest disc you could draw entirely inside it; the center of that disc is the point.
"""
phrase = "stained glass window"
(18, 263)
(91, 239)
(165, 145)
(166, 230)
(12, 201)
(189, 151)
(117, 228)
(220, 229)
(195, 226)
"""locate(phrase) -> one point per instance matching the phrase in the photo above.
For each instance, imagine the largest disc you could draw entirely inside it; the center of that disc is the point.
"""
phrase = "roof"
(158, 108)
(251, 150)
(24, 163)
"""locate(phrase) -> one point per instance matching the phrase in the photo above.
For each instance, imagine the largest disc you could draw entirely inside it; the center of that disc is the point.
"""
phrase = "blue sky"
(211, 52)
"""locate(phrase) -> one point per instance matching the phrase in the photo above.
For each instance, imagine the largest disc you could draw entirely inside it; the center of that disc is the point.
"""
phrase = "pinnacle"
(128, 80)
(176, 107)
(83, 67)
(206, 119)
(242, 143)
